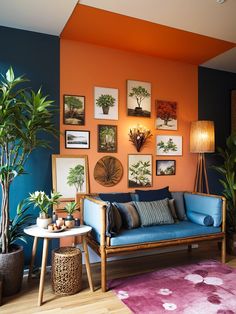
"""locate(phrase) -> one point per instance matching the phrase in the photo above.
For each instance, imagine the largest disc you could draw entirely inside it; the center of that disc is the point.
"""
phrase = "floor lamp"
(202, 140)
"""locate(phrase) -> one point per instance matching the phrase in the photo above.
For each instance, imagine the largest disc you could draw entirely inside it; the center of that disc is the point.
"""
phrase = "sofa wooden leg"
(103, 270)
(223, 250)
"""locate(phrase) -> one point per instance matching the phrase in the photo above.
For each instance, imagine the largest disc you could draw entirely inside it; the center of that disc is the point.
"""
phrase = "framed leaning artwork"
(74, 110)
(139, 171)
(139, 98)
(107, 138)
(166, 115)
(165, 167)
(70, 175)
(106, 103)
(77, 139)
(169, 145)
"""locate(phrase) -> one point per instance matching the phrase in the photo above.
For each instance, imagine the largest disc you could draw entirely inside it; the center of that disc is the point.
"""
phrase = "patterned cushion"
(154, 213)
(172, 207)
(153, 195)
(130, 217)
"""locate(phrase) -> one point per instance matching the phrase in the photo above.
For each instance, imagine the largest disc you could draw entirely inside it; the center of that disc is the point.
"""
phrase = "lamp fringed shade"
(202, 137)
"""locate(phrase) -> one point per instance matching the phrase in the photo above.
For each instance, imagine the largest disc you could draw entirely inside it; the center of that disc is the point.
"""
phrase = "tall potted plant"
(24, 116)
(228, 179)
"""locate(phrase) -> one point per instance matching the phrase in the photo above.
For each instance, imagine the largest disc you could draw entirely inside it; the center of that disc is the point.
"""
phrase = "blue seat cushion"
(183, 229)
(204, 204)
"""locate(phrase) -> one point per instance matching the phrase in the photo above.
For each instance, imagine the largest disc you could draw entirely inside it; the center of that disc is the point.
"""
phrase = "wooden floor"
(97, 302)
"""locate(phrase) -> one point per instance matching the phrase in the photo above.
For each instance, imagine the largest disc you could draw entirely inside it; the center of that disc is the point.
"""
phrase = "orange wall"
(84, 66)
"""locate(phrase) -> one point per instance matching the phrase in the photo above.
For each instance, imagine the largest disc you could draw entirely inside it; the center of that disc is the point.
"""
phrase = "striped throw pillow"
(154, 213)
(128, 212)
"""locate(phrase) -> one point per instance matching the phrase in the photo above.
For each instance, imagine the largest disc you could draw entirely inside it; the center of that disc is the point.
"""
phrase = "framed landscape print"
(77, 139)
(74, 110)
(107, 138)
(165, 167)
(166, 115)
(139, 171)
(70, 175)
(106, 103)
(169, 145)
(139, 98)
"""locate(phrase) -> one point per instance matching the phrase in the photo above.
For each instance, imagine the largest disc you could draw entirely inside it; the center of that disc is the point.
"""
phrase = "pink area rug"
(207, 287)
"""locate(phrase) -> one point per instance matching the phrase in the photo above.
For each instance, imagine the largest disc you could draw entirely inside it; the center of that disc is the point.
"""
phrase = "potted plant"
(139, 93)
(228, 179)
(44, 203)
(70, 208)
(24, 116)
(105, 101)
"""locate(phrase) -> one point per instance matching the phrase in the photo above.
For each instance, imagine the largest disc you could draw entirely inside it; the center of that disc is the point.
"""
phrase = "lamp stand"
(201, 175)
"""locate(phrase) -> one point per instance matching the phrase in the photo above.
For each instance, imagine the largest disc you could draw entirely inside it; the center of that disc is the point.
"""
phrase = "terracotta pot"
(11, 270)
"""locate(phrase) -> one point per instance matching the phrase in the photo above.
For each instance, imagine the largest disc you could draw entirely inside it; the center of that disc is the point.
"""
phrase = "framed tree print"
(139, 171)
(70, 175)
(166, 115)
(169, 145)
(74, 110)
(139, 98)
(107, 138)
(106, 103)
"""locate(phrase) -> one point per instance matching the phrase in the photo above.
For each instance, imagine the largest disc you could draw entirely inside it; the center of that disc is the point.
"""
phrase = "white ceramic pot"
(43, 222)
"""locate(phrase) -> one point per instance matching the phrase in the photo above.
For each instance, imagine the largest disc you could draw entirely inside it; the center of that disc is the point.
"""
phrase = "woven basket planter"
(66, 270)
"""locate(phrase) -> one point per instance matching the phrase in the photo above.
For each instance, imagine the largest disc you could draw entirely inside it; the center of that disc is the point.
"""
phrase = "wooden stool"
(66, 274)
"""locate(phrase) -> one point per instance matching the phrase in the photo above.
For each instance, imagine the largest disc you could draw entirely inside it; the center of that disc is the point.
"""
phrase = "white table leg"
(87, 263)
(43, 271)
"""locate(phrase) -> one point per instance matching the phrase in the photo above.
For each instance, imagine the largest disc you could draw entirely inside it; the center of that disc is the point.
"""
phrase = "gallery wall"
(37, 57)
(84, 66)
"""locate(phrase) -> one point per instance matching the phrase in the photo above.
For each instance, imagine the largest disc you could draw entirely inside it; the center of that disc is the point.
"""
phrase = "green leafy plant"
(70, 207)
(139, 93)
(140, 172)
(43, 201)
(74, 104)
(228, 180)
(24, 116)
(76, 177)
(168, 146)
(105, 100)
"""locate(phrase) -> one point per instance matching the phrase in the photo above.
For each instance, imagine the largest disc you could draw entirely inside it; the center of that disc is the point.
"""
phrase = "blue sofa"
(186, 231)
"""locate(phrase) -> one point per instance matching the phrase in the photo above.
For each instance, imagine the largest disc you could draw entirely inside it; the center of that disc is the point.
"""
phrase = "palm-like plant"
(228, 180)
(76, 177)
(24, 116)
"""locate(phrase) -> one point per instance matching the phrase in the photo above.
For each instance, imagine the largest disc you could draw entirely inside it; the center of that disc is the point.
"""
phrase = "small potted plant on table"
(70, 208)
(44, 203)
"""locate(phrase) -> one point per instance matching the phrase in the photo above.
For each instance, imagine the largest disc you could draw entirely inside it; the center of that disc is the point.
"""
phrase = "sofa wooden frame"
(105, 250)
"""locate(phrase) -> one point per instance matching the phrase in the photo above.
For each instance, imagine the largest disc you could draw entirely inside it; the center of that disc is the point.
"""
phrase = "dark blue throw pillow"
(116, 197)
(153, 195)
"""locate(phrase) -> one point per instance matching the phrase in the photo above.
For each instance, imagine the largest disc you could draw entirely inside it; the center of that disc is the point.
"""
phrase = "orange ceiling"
(113, 30)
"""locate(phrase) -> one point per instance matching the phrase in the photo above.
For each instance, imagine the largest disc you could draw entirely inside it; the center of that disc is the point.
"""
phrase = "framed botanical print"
(166, 115)
(106, 103)
(139, 171)
(169, 145)
(74, 110)
(107, 138)
(165, 167)
(139, 98)
(70, 175)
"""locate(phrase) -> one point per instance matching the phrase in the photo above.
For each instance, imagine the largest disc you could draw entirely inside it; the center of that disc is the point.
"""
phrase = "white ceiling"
(205, 17)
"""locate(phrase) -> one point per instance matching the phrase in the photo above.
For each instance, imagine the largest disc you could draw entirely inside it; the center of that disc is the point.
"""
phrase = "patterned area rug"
(207, 287)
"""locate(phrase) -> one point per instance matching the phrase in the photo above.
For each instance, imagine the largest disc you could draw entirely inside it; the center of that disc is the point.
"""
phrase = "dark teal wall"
(214, 103)
(37, 56)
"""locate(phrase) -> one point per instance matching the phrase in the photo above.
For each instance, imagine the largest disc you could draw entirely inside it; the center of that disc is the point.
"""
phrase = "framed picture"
(77, 139)
(106, 103)
(139, 171)
(169, 145)
(107, 138)
(74, 110)
(166, 115)
(139, 98)
(108, 171)
(165, 167)
(70, 175)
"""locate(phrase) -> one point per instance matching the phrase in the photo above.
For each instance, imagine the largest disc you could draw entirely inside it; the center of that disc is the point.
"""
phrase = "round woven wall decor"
(108, 171)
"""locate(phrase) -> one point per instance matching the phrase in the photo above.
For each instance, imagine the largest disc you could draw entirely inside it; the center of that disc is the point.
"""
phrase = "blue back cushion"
(153, 195)
(116, 197)
(207, 205)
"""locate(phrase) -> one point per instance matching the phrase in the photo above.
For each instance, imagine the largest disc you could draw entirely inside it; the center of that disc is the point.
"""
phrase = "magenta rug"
(207, 287)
